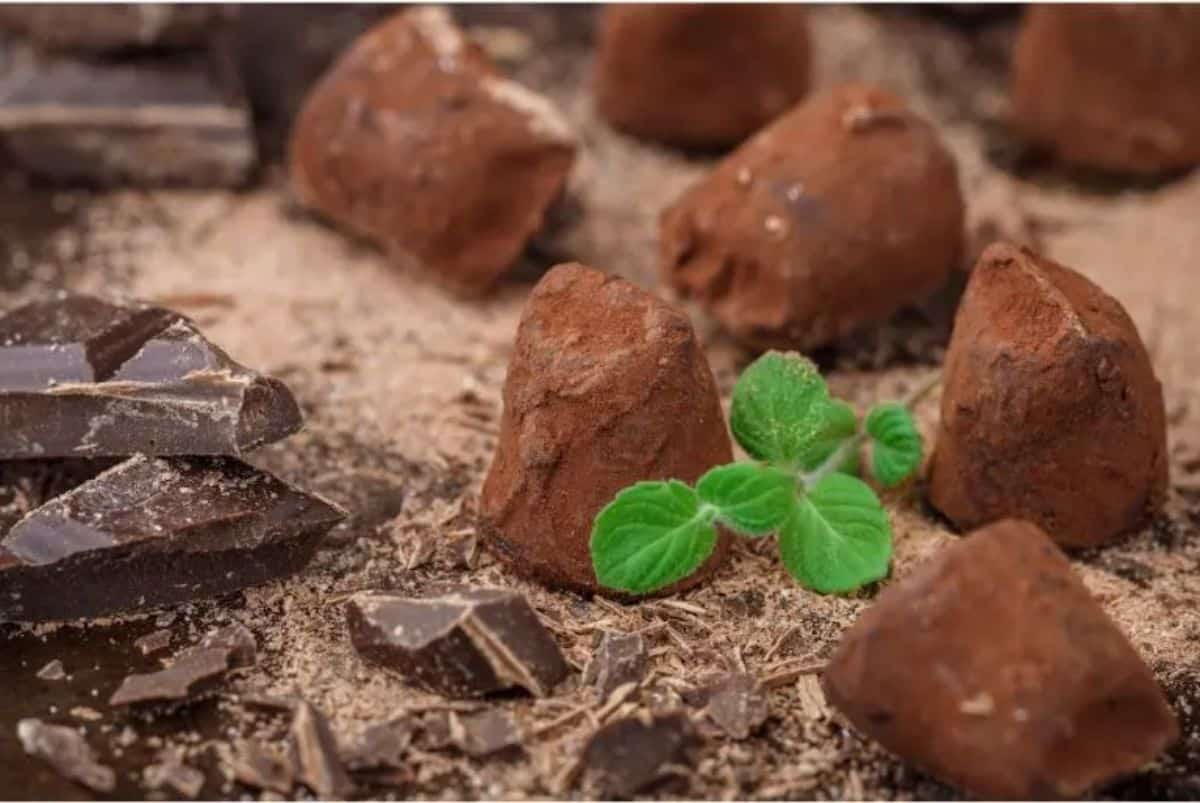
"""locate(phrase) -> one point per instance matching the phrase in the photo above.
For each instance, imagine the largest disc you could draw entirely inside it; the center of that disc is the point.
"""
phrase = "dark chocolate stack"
(120, 94)
(120, 487)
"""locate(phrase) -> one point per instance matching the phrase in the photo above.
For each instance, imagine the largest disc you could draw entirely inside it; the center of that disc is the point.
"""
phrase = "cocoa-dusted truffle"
(832, 217)
(992, 668)
(607, 386)
(700, 75)
(1050, 408)
(412, 140)
(1111, 87)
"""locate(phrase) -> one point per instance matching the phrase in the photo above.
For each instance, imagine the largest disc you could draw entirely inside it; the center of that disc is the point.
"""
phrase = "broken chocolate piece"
(314, 754)
(484, 733)
(256, 765)
(737, 705)
(381, 745)
(413, 140)
(607, 386)
(107, 28)
(172, 772)
(151, 532)
(237, 640)
(1051, 411)
(52, 671)
(628, 754)
(153, 642)
(620, 659)
(992, 667)
(67, 751)
(84, 377)
(191, 673)
(463, 644)
(151, 121)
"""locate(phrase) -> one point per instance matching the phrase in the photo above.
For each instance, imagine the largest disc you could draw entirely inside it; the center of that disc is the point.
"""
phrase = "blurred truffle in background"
(700, 75)
(1114, 88)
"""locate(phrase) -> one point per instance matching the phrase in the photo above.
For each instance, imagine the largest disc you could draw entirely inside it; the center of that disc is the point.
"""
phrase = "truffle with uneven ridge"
(607, 386)
(1111, 87)
(700, 75)
(1050, 408)
(829, 219)
(993, 668)
(412, 140)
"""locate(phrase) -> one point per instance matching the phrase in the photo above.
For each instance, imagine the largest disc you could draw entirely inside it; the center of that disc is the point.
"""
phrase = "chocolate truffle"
(700, 75)
(607, 386)
(1050, 408)
(992, 668)
(1111, 87)
(413, 141)
(831, 218)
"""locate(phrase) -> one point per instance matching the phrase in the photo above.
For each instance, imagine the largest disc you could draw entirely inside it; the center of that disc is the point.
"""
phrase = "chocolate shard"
(256, 765)
(314, 754)
(67, 751)
(628, 754)
(85, 377)
(110, 28)
(153, 642)
(620, 659)
(381, 745)
(150, 121)
(237, 640)
(464, 644)
(993, 668)
(151, 532)
(172, 773)
(52, 671)
(737, 705)
(192, 672)
(484, 733)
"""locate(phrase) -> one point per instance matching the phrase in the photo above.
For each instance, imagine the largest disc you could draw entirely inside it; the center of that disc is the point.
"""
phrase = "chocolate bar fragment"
(66, 750)
(314, 754)
(83, 377)
(151, 121)
(152, 532)
(193, 671)
(631, 753)
(463, 644)
(107, 28)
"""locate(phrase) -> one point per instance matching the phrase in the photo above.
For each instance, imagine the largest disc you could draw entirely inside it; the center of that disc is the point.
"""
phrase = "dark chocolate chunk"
(463, 644)
(52, 671)
(628, 754)
(381, 745)
(191, 673)
(153, 642)
(237, 640)
(619, 659)
(173, 773)
(314, 754)
(151, 532)
(484, 733)
(151, 121)
(737, 705)
(107, 28)
(67, 751)
(84, 377)
(256, 765)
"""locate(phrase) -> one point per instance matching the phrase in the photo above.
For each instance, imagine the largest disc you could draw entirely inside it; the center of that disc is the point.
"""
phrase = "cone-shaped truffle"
(832, 217)
(1050, 408)
(606, 386)
(413, 141)
(1112, 87)
(992, 668)
(700, 75)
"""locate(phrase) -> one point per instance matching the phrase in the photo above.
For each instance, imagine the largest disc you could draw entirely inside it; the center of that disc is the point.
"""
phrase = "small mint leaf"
(838, 538)
(651, 535)
(781, 408)
(752, 498)
(896, 443)
(841, 424)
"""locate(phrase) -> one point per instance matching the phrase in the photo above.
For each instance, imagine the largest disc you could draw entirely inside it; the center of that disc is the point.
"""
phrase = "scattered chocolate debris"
(628, 754)
(67, 751)
(484, 733)
(84, 377)
(463, 644)
(620, 659)
(192, 672)
(114, 28)
(173, 773)
(153, 642)
(256, 765)
(52, 671)
(150, 532)
(1051, 411)
(414, 140)
(237, 640)
(607, 385)
(1048, 699)
(86, 713)
(314, 754)
(382, 745)
(737, 706)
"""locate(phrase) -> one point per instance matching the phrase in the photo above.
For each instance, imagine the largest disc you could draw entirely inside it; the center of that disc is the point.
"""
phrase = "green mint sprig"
(834, 535)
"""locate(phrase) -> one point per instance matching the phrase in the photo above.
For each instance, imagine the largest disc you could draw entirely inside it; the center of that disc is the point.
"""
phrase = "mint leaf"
(781, 408)
(897, 443)
(652, 535)
(752, 498)
(840, 424)
(838, 538)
